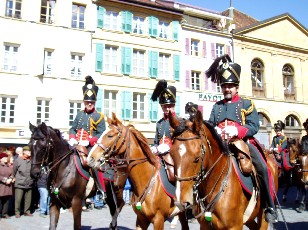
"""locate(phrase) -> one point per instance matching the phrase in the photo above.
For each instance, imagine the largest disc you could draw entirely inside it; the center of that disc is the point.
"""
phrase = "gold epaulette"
(93, 124)
(282, 140)
(245, 112)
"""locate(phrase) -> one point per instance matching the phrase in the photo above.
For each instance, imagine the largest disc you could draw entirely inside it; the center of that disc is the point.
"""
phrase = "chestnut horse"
(127, 145)
(207, 180)
(51, 153)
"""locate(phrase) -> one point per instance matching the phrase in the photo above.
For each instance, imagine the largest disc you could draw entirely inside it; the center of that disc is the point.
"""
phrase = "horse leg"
(142, 223)
(287, 186)
(183, 221)
(54, 214)
(77, 207)
(158, 222)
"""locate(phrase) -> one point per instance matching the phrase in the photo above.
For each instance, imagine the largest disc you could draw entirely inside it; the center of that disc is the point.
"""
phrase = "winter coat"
(6, 171)
(22, 175)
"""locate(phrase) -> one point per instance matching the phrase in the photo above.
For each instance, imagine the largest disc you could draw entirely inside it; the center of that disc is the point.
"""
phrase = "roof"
(240, 19)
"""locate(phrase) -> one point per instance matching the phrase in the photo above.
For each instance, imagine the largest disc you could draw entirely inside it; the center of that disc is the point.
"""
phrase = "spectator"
(18, 152)
(6, 184)
(23, 182)
(44, 195)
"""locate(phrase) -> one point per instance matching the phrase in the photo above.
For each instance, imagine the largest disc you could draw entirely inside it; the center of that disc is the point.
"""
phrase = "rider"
(89, 124)
(190, 110)
(235, 116)
(304, 141)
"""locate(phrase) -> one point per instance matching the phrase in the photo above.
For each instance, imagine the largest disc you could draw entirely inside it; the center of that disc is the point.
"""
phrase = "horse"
(51, 153)
(129, 147)
(206, 178)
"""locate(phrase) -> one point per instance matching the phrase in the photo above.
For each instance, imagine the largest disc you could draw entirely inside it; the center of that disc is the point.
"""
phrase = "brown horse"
(207, 179)
(131, 148)
(51, 153)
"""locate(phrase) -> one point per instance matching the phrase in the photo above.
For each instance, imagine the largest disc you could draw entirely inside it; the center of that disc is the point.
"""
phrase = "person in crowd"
(89, 124)
(126, 192)
(44, 195)
(6, 184)
(235, 116)
(23, 182)
(190, 110)
(18, 152)
(304, 140)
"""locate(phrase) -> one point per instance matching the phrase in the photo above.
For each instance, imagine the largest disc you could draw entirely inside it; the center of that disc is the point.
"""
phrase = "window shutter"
(99, 57)
(176, 67)
(127, 20)
(153, 26)
(187, 79)
(127, 54)
(229, 51)
(187, 46)
(214, 86)
(99, 101)
(213, 50)
(206, 82)
(153, 64)
(126, 105)
(204, 49)
(200, 108)
(178, 106)
(100, 16)
(175, 30)
(153, 109)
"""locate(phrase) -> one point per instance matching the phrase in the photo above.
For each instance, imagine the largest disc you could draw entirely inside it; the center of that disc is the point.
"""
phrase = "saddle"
(169, 166)
(242, 154)
(83, 153)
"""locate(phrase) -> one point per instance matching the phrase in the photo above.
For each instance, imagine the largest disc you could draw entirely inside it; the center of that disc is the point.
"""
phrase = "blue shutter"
(178, 106)
(126, 105)
(127, 20)
(153, 64)
(127, 55)
(99, 57)
(175, 30)
(100, 16)
(153, 109)
(153, 26)
(99, 101)
(176, 67)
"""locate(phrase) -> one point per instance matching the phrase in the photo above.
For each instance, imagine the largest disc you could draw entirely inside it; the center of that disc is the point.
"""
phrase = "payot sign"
(210, 97)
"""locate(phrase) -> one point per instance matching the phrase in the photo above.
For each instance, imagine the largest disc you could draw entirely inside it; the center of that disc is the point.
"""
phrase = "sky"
(259, 9)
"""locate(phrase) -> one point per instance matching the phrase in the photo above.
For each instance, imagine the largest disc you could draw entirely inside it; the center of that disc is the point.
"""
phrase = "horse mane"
(216, 136)
(143, 142)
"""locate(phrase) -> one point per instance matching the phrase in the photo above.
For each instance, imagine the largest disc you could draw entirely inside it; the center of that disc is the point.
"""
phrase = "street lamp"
(269, 130)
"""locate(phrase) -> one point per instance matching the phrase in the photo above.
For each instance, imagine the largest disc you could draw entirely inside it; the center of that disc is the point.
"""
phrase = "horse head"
(303, 168)
(188, 152)
(293, 151)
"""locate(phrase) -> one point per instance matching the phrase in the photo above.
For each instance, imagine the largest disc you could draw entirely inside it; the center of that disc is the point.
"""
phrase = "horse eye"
(197, 159)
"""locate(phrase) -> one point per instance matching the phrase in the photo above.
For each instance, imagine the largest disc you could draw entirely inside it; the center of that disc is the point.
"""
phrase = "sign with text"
(210, 97)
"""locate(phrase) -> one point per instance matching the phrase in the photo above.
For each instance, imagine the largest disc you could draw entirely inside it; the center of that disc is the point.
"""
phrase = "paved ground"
(99, 219)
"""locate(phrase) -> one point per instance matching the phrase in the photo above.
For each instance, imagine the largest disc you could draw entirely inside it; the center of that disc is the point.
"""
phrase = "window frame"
(110, 102)
(112, 20)
(45, 115)
(7, 110)
(111, 62)
(138, 25)
(13, 10)
(195, 80)
(74, 108)
(76, 65)
(78, 16)
(164, 66)
(138, 63)
(137, 101)
(10, 58)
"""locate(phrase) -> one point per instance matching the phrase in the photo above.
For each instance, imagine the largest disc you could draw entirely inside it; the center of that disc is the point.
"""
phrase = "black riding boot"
(262, 171)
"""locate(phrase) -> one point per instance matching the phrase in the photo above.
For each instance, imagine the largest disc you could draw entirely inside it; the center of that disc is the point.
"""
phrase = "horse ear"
(44, 128)
(31, 127)
(174, 122)
(198, 121)
(109, 120)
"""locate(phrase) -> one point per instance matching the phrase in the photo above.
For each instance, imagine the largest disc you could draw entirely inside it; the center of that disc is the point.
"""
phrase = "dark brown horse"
(51, 153)
(207, 180)
(142, 167)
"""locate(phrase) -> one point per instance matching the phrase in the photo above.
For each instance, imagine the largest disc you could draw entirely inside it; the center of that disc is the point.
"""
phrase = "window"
(195, 80)
(76, 64)
(42, 111)
(138, 105)
(263, 120)
(47, 62)
(163, 29)
(78, 16)
(138, 63)
(194, 48)
(138, 25)
(257, 78)
(288, 82)
(111, 57)
(111, 20)
(220, 50)
(163, 66)
(110, 102)
(291, 122)
(13, 8)
(10, 58)
(48, 11)
(7, 109)
(75, 106)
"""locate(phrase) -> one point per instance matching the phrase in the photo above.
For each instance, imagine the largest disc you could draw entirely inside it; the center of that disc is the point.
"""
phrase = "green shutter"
(153, 109)
(153, 26)
(153, 64)
(175, 30)
(99, 57)
(127, 21)
(99, 101)
(178, 106)
(100, 16)
(127, 55)
(176, 67)
(126, 105)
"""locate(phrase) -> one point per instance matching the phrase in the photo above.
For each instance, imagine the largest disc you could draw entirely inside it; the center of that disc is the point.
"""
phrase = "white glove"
(84, 143)
(231, 131)
(186, 116)
(276, 149)
(73, 142)
(163, 148)
(218, 130)
(154, 149)
(271, 149)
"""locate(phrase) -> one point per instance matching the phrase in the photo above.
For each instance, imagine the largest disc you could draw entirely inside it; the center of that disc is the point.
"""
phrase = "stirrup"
(271, 215)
